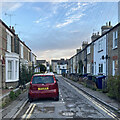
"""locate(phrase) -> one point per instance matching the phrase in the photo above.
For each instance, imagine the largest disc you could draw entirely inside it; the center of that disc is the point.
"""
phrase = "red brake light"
(54, 86)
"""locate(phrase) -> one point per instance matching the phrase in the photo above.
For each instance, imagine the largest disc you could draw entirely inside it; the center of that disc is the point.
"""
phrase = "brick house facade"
(107, 59)
(9, 65)
(114, 51)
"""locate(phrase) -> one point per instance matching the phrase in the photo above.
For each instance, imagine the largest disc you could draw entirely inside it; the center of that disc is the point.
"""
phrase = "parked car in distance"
(43, 86)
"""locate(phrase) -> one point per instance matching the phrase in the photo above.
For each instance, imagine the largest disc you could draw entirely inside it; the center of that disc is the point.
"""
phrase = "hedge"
(113, 87)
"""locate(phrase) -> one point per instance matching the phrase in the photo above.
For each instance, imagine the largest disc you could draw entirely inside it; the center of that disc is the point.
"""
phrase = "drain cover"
(67, 113)
(46, 109)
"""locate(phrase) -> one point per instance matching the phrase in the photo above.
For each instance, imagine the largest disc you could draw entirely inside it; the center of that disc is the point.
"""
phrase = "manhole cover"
(67, 113)
(70, 105)
(46, 109)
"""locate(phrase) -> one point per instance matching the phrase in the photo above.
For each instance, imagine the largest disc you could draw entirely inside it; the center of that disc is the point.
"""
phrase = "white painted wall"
(98, 55)
(59, 67)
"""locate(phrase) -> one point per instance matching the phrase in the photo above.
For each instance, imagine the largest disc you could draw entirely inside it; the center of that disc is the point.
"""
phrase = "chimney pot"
(106, 24)
(109, 23)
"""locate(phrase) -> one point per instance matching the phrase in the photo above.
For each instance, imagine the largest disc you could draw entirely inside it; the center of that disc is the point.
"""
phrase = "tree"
(42, 68)
(51, 68)
(23, 75)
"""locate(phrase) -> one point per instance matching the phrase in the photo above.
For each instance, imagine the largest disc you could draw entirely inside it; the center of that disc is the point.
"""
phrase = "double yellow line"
(29, 111)
(95, 103)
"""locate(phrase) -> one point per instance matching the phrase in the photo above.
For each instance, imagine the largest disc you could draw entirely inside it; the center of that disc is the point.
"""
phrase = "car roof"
(50, 73)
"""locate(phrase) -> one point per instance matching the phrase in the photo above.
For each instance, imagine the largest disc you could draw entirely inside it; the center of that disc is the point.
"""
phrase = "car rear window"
(42, 79)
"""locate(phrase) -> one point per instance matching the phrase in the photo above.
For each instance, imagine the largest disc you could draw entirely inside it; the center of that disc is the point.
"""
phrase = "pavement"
(11, 110)
(101, 97)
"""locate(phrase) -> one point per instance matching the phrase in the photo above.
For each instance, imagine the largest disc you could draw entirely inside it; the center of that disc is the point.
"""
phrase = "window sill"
(88, 53)
(114, 48)
(100, 51)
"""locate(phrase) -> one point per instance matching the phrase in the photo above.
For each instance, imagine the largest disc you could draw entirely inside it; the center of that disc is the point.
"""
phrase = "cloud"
(55, 54)
(73, 13)
(64, 24)
(69, 20)
(37, 8)
(41, 20)
(11, 6)
(15, 7)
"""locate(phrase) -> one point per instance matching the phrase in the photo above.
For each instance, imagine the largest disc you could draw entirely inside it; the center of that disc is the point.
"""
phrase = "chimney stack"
(106, 28)
(78, 50)
(95, 36)
(13, 29)
(84, 44)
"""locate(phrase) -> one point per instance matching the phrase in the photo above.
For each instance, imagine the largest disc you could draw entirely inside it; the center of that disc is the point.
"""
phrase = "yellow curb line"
(97, 104)
(30, 113)
(23, 117)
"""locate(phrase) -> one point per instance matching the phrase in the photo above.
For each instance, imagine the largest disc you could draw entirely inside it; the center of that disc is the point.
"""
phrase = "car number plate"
(45, 88)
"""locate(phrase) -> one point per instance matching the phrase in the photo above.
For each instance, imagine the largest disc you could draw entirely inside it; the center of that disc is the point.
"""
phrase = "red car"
(43, 86)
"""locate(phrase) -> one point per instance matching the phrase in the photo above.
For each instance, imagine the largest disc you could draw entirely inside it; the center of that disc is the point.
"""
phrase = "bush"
(113, 87)
(25, 74)
(17, 93)
(12, 95)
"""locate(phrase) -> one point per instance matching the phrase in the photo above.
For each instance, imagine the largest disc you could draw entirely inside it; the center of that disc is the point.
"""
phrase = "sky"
(54, 30)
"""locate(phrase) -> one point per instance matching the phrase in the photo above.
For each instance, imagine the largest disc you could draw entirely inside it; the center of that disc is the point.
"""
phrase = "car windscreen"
(42, 79)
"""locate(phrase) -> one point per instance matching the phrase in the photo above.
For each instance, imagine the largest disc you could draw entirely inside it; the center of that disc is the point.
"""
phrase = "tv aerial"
(10, 15)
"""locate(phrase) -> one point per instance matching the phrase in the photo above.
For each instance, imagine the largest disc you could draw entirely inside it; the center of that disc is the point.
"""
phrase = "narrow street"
(72, 104)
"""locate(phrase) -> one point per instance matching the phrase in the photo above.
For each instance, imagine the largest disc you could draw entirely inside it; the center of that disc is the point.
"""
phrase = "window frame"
(115, 38)
(88, 50)
(10, 70)
(100, 67)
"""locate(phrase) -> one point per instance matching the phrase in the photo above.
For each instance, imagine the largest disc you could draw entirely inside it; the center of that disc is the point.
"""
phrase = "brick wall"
(112, 53)
(119, 47)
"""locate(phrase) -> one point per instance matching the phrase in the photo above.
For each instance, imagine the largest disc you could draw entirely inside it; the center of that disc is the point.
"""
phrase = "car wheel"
(57, 98)
(30, 99)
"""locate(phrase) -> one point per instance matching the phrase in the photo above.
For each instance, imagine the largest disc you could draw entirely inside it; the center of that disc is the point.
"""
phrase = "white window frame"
(115, 38)
(21, 52)
(100, 68)
(88, 50)
(114, 67)
(9, 41)
(10, 70)
(88, 68)
(100, 45)
(16, 69)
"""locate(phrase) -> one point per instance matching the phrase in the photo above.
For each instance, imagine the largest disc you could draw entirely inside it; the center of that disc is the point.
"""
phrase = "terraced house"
(102, 55)
(114, 51)
(9, 66)
(12, 52)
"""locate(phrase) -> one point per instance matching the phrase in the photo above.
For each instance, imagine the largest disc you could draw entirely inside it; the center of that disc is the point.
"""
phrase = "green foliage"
(25, 74)
(113, 87)
(12, 95)
(42, 68)
(17, 93)
(51, 68)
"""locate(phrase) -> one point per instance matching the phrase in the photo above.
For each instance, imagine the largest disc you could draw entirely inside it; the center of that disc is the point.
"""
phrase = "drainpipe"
(106, 55)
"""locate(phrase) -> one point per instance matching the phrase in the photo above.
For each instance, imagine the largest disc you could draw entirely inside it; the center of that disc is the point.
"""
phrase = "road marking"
(23, 117)
(20, 110)
(30, 113)
(96, 103)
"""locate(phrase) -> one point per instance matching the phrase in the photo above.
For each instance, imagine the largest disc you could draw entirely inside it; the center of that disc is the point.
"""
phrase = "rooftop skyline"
(55, 30)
